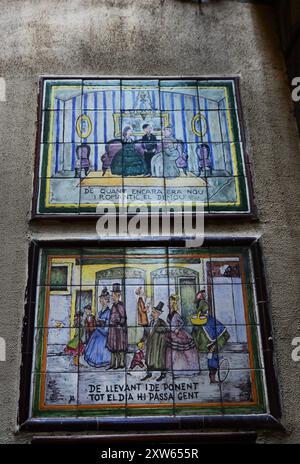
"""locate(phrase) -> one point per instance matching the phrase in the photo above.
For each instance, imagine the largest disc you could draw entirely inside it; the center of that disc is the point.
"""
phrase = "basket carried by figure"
(198, 320)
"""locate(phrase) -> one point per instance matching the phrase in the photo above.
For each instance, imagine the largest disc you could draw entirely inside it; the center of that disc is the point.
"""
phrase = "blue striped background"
(100, 105)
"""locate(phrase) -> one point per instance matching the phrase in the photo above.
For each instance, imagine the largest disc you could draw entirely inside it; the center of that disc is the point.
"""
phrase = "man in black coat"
(149, 144)
(117, 338)
(155, 338)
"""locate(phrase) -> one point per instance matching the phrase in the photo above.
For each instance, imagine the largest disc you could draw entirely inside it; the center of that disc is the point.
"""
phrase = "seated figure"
(170, 157)
(124, 157)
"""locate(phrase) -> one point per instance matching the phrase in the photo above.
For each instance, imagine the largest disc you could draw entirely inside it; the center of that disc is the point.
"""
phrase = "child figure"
(138, 356)
(75, 347)
(212, 362)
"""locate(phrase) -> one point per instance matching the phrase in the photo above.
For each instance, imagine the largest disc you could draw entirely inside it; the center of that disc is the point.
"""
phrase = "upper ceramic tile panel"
(157, 140)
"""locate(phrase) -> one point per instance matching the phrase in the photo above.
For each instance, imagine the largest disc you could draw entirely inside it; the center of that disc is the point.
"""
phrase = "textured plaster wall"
(289, 22)
(161, 37)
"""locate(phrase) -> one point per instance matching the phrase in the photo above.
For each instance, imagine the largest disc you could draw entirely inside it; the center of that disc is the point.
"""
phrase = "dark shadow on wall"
(273, 91)
(289, 25)
(202, 2)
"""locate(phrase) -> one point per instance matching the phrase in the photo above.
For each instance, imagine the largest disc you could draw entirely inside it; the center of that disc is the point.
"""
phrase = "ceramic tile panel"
(116, 136)
(124, 331)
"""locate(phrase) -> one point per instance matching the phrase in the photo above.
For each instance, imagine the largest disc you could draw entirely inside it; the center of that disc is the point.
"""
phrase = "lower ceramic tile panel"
(194, 352)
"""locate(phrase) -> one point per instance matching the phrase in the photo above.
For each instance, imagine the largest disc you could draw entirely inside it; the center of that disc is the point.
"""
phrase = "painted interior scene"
(173, 141)
(146, 331)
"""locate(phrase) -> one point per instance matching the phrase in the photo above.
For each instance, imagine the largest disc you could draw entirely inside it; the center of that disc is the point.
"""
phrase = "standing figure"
(75, 346)
(117, 340)
(212, 362)
(96, 353)
(82, 159)
(89, 322)
(141, 308)
(149, 144)
(204, 161)
(210, 335)
(201, 303)
(155, 338)
(128, 161)
(181, 354)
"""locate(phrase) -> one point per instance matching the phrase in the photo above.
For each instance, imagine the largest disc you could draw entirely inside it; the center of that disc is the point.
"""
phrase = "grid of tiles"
(159, 142)
(146, 331)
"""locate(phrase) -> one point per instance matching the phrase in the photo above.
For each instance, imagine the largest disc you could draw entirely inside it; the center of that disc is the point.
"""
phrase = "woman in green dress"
(129, 161)
(212, 331)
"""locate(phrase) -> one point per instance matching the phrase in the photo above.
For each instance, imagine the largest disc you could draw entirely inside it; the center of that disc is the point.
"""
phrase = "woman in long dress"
(96, 353)
(181, 354)
(129, 160)
(170, 156)
(213, 331)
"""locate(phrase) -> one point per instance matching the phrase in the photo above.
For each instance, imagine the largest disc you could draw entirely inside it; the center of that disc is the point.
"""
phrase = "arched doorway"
(180, 280)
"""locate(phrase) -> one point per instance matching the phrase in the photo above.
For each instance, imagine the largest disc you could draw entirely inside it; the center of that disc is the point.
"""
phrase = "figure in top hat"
(155, 337)
(117, 340)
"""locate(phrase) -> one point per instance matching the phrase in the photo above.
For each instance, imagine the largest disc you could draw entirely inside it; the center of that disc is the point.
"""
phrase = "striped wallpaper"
(100, 106)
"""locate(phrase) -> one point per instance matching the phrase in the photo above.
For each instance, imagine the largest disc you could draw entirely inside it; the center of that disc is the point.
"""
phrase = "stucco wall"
(113, 37)
(289, 23)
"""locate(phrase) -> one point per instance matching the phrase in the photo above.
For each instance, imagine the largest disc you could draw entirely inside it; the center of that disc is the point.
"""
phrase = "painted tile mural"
(146, 331)
(174, 141)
